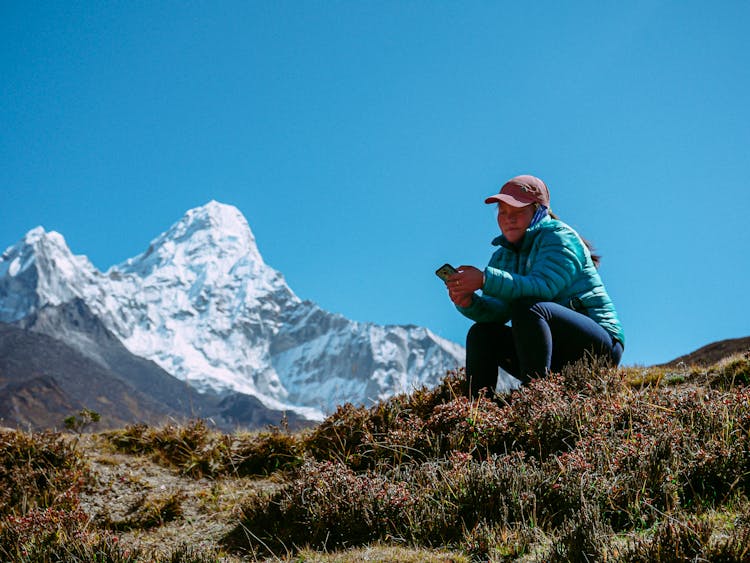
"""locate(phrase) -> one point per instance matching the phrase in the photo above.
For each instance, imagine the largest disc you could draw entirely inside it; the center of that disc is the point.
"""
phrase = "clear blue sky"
(360, 139)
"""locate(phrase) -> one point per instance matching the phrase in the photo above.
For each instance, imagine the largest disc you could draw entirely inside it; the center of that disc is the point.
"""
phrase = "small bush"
(198, 451)
(544, 418)
(584, 536)
(342, 437)
(54, 534)
(326, 506)
(79, 422)
(150, 511)
(264, 453)
(329, 505)
(673, 540)
(490, 541)
(38, 471)
(475, 426)
(718, 462)
(193, 448)
(47, 535)
(392, 432)
(730, 372)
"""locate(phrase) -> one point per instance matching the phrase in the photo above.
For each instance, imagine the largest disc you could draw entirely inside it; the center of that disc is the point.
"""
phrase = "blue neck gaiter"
(540, 214)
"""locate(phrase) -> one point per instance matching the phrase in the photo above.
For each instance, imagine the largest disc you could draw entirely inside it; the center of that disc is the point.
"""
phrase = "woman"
(543, 279)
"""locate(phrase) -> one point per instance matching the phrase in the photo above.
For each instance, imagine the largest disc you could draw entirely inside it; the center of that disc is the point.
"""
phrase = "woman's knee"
(480, 334)
(486, 337)
(525, 309)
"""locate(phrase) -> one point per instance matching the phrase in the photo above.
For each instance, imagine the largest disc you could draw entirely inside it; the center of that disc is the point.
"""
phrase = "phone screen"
(445, 271)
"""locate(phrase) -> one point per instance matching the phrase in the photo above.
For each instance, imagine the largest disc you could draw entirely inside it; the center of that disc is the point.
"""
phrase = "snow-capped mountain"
(202, 304)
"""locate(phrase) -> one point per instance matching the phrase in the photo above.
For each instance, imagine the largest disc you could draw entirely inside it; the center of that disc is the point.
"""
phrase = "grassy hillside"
(628, 465)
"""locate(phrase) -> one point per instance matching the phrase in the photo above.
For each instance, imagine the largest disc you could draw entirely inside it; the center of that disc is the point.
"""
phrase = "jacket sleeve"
(557, 260)
(485, 309)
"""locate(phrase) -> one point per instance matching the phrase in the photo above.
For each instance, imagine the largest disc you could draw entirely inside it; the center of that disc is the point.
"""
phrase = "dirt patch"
(155, 508)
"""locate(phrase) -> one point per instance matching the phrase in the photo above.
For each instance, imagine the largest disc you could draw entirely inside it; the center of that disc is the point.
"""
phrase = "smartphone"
(445, 271)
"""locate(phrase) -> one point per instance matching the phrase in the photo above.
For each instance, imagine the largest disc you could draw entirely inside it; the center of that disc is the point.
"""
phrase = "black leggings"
(544, 337)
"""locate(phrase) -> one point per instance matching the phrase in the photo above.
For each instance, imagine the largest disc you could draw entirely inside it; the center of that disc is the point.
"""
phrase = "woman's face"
(514, 221)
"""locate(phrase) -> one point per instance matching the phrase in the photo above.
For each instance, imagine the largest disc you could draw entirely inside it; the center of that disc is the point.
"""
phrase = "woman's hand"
(461, 286)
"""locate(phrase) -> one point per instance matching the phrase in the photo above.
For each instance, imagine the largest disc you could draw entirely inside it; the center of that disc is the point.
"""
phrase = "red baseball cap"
(522, 191)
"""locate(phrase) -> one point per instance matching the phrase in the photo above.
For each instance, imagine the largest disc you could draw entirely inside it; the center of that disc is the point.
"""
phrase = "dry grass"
(381, 554)
(630, 465)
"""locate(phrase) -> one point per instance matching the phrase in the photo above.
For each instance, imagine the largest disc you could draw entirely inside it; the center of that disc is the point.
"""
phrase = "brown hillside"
(712, 353)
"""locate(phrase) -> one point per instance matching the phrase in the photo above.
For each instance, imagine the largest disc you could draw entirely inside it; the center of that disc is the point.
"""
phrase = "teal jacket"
(552, 263)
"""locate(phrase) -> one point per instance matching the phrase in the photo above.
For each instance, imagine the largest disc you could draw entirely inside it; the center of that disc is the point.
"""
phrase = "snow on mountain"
(202, 304)
(41, 270)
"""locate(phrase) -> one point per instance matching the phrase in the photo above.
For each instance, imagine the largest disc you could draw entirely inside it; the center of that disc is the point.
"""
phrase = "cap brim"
(510, 200)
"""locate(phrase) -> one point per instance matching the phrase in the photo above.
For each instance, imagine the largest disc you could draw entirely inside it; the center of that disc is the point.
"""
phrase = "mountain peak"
(217, 216)
(40, 269)
(38, 238)
(34, 235)
(209, 233)
(223, 222)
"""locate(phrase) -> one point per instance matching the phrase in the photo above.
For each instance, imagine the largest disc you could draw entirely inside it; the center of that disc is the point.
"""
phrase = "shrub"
(473, 426)
(435, 503)
(673, 540)
(392, 432)
(730, 372)
(79, 422)
(341, 436)
(584, 536)
(38, 471)
(51, 534)
(198, 451)
(325, 506)
(718, 462)
(265, 453)
(54, 534)
(544, 417)
(193, 448)
(148, 512)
